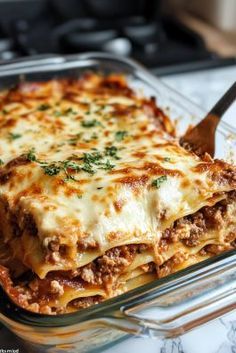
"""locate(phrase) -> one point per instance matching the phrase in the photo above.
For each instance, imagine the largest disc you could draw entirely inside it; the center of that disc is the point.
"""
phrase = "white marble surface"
(206, 87)
(215, 337)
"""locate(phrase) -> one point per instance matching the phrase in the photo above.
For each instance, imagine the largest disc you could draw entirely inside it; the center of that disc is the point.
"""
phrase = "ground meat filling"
(169, 266)
(103, 271)
(107, 268)
(190, 229)
(36, 295)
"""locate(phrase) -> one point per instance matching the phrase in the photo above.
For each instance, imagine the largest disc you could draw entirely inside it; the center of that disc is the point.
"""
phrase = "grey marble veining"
(218, 336)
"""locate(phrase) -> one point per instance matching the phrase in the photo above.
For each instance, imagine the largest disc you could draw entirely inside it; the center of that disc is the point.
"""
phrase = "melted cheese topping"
(88, 165)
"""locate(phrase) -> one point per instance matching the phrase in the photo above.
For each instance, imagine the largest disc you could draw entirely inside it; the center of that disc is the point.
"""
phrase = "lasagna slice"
(98, 197)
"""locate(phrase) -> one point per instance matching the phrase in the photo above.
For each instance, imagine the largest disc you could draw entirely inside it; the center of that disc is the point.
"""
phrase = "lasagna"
(98, 197)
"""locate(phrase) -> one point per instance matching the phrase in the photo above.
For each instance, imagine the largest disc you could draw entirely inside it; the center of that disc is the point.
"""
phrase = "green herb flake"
(51, 169)
(88, 169)
(69, 178)
(70, 111)
(90, 123)
(89, 163)
(92, 158)
(120, 135)
(4, 111)
(13, 136)
(157, 182)
(107, 165)
(43, 107)
(111, 151)
(67, 164)
(1, 162)
(167, 159)
(31, 155)
(79, 196)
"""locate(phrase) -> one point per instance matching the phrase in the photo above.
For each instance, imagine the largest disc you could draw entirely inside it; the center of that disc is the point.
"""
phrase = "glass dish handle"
(182, 306)
(34, 61)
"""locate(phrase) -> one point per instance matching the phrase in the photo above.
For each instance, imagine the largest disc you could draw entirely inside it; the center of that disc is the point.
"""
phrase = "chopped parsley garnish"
(69, 178)
(51, 169)
(120, 135)
(95, 159)
(92, 158)
(111, 152)
(107, 165)
(70, 111)
(90, 123)
(88, 169)
(43, 107)
(167, 159)
(157, 182)
(56, 167)
(4, 111)
(67, 164)
(1, 162)
(13, 136)
(79, 196)
(31, 155)
(88, 163)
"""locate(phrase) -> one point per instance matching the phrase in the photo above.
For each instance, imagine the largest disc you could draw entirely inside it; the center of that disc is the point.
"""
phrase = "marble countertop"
(205, 87)
(219, 336)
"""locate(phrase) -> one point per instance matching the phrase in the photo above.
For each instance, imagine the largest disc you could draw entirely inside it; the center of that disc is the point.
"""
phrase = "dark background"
(135, 28)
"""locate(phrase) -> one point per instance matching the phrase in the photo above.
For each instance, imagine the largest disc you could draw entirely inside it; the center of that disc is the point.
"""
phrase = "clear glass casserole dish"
(166, 307)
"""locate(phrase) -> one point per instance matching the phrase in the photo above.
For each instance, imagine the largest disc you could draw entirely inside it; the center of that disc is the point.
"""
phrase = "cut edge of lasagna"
(97, 196)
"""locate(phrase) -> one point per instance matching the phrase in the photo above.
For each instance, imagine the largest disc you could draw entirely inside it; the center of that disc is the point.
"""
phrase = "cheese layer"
(87, 165)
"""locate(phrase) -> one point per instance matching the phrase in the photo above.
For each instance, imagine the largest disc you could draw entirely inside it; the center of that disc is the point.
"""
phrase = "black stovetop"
(135, 28)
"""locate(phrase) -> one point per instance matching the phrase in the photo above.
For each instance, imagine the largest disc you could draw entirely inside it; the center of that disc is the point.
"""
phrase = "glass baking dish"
(166, 307)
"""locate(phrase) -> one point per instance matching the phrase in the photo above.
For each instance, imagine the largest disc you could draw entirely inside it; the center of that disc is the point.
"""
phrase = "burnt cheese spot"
(118, 205)
(185, 183)
(8, 124)
(133, 181)
(18, 161)
(5, 176)
(139, 154)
